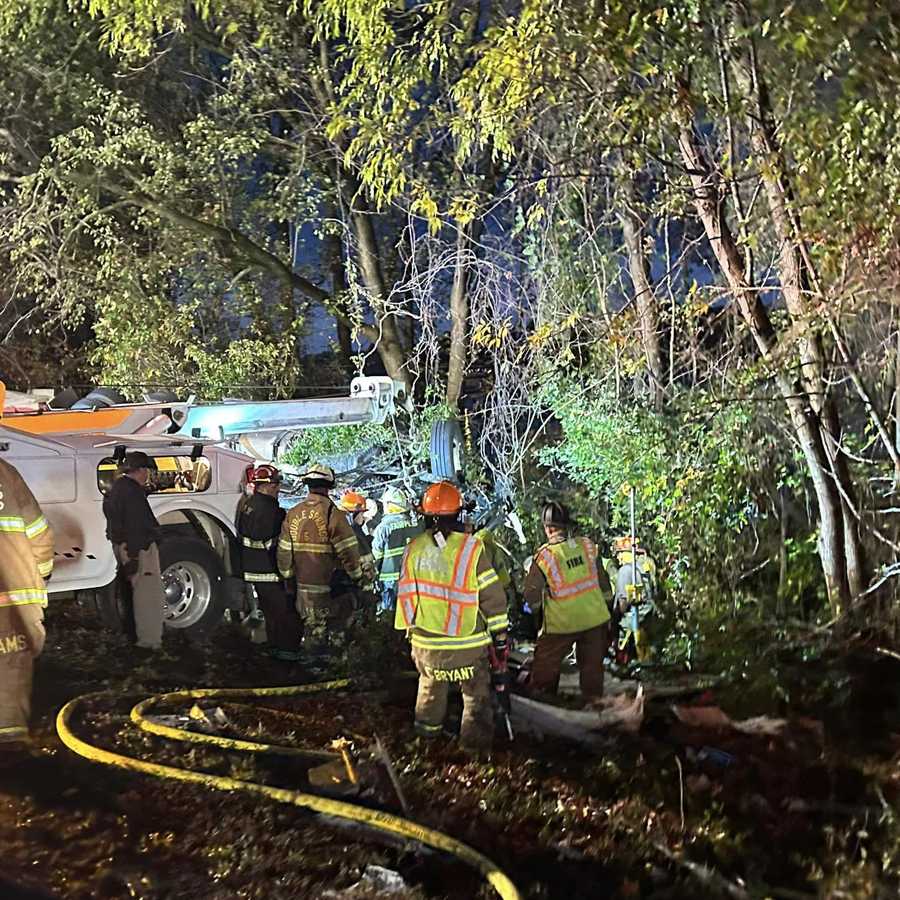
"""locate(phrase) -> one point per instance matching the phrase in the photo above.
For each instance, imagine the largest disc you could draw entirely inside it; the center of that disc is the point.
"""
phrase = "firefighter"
(259, 526)
(347, 596)
(396, 529)
(316, 539)
(354, 505)
(634, 600)
(26, 561)
(134, 533)
(450, 602)
(566, 584)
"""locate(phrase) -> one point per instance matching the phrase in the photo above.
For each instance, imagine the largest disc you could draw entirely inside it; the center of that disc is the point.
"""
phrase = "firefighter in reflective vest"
(565, 583)
(26, 560)
(316, 539)
(396, 529)
(453, 608)
(635, 600)
(259, 524)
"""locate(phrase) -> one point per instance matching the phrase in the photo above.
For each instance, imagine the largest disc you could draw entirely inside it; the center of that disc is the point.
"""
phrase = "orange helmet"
(442, 499)
(264, 474)
(352, 502)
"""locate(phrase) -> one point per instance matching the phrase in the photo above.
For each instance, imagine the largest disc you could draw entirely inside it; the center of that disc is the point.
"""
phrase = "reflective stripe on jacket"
(573, 598)
(389, 542)
(315, 540)
(258, 527)
(26, 543)
(496, 556)
(449, 597)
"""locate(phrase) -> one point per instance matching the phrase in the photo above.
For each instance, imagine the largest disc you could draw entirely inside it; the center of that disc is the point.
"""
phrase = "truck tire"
(447, 450)
(194, 583)
(113, 605)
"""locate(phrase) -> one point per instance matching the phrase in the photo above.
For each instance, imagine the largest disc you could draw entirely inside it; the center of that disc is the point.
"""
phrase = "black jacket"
(258, 526)
(129, 519)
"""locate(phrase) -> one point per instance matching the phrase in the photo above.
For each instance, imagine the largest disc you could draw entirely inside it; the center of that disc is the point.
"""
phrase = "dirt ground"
(674, 811)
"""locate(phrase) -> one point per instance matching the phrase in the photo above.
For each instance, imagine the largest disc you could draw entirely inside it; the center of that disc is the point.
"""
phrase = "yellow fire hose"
(373, 818)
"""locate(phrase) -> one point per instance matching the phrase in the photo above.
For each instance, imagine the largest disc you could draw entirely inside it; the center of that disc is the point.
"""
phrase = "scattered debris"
(621, 713)
(384, 756)
(375, 880)
(332, 776)
(209, 721)
(715, 719)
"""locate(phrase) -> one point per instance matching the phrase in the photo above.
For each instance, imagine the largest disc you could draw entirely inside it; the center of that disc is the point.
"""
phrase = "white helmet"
(394, 500)
(319, 472)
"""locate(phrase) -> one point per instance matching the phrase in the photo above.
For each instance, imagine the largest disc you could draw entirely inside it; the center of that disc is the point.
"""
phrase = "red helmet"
(442, 499)
(264, 474)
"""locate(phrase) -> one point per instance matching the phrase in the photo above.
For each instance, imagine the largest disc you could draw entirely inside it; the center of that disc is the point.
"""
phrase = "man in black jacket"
(135, 534)
(259, 524)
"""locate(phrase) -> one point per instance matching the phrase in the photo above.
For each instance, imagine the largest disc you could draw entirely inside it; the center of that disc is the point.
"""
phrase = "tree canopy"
(686, 212)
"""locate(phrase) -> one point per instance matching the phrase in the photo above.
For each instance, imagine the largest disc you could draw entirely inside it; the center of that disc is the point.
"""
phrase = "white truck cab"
(194, 491)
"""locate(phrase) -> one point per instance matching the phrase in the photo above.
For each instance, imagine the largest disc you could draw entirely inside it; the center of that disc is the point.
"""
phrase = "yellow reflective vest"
(574, 600)
(439, 593)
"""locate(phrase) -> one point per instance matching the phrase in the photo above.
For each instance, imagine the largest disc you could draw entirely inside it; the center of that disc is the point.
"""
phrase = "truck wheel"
(447, 449)
(193, 580)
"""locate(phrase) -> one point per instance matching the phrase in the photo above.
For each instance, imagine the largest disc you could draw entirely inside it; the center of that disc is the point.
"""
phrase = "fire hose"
(376, 819)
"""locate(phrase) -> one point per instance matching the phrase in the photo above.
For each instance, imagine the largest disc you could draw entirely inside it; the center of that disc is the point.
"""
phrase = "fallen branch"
(680, 790)
(710, 878)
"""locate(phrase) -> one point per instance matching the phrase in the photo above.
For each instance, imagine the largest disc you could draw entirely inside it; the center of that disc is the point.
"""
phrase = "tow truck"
(70, 458)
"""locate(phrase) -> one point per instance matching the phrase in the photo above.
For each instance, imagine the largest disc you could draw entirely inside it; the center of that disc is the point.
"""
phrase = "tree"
(559, 92)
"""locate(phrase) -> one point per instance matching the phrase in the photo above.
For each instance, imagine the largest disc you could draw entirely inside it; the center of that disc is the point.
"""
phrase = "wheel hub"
(187, 593)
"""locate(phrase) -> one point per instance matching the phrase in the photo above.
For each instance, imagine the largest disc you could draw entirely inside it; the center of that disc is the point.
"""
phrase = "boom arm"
(370, 400)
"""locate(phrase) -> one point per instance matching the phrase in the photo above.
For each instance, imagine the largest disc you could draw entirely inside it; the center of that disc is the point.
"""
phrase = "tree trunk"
(339, 288)
(796, 274)
(805, 421)
(389, 345)
(459, 322)
(645, 302)
(782, 553)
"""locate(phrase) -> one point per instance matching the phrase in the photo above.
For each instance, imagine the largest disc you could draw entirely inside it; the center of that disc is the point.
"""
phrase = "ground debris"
(376, 881)
(715, 719)
(565, 823)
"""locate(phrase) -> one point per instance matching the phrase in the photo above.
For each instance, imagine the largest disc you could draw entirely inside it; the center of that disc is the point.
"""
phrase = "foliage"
(691, 475)
(314, 444)
(197, 182)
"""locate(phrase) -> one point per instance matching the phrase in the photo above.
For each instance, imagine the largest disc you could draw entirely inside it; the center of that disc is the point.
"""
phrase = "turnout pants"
(326, 617)
(149, 597)
(436, 673)
(552, 649)
(21, 641)
(283, 627)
